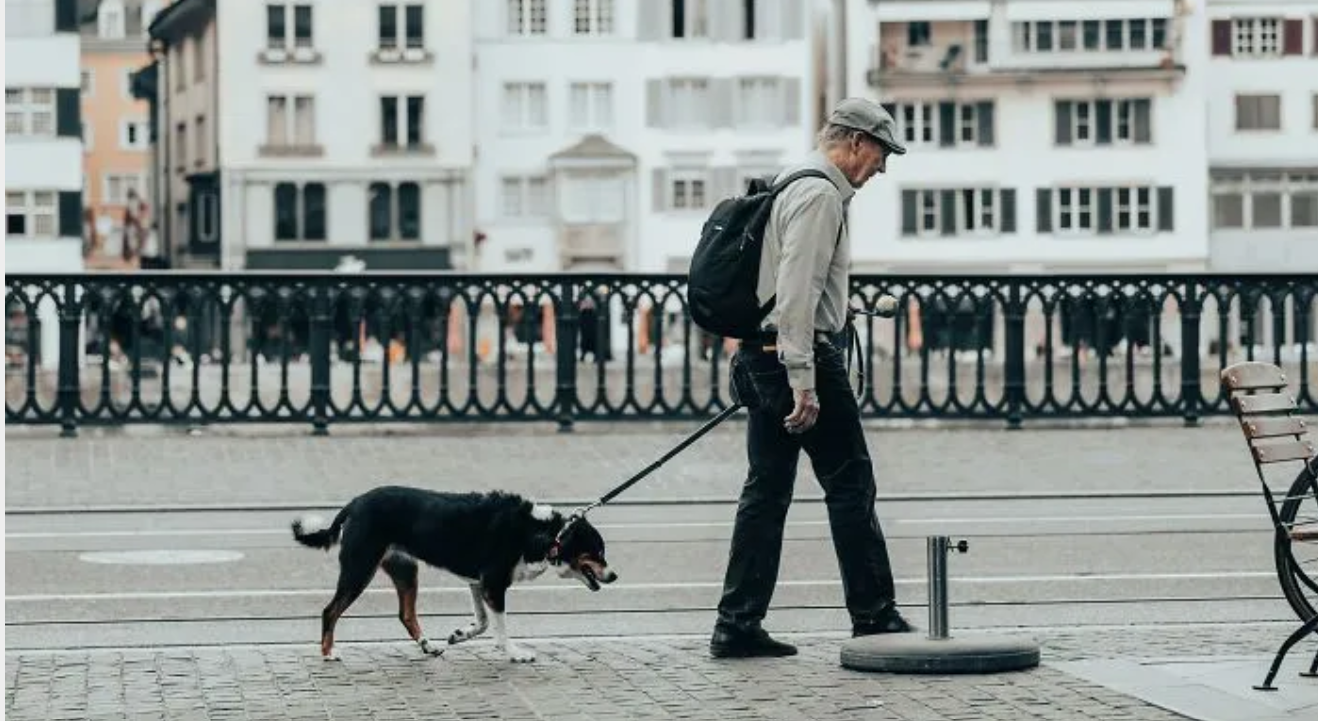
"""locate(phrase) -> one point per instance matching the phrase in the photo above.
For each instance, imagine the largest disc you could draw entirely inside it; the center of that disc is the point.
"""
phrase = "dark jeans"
(840, 458)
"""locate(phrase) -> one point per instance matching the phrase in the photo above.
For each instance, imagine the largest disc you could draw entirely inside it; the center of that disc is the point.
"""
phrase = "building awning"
(330, 258)
(593, 151)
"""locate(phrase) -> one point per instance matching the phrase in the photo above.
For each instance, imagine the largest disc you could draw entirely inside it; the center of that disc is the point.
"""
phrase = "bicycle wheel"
(1297, 560)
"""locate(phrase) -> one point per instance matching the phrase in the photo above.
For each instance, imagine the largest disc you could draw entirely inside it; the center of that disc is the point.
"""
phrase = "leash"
(853, 348)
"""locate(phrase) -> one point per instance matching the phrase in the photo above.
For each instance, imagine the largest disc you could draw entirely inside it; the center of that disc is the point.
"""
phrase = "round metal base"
(916, 653)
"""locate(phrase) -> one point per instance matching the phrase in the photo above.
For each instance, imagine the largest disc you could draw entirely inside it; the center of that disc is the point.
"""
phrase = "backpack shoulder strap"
(793, 177)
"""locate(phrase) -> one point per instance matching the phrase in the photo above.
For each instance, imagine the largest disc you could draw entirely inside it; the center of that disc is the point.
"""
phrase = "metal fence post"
(1014, 363)
(320, 359)
(70, 380)
(565, 334)
(937, 552)
(1191, 393)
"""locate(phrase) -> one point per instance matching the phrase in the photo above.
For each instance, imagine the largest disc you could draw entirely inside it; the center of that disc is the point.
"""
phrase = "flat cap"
(869, 117)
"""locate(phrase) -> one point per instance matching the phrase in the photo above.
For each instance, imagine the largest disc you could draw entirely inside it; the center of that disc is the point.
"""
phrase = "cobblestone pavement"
(603, 679)
(284, 465)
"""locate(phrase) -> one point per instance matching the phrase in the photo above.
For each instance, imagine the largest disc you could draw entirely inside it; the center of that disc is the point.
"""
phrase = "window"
(110, 20)
(198, 43)
(115, 187)
(1258, 112)
(1315, 101)
(592, 17)
(180, 146)
(30, 112)
(199, 139)
(281, 19)
(526, 17)
(759, 101)
(30, 214)
(1127, 210)
(525, 106)
(591, 106)
(958, 211)
(686, 190)
(402, 26)
(1090, 36)
(88, 85)
(1103, 122)
(134, 134)
(290, 130)
(299, 213)
(1259, 37)
(1267, 200)
(402, 121)
(691, 18)
(917, 34)
(394, 211)
(946, 123)
(689, 102)
(593, 198)
(523, 196)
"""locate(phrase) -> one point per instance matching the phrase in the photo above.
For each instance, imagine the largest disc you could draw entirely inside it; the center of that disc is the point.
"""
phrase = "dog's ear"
(540, 545)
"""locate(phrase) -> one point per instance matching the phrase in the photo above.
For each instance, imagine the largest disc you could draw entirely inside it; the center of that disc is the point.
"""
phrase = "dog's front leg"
(495, 596)
(479, 623)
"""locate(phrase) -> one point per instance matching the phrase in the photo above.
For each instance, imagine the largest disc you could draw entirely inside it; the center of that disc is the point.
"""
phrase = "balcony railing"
(324, 348)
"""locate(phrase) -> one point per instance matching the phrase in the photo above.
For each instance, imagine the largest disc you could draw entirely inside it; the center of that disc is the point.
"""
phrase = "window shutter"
(723, 183)
(70, 214)
(1062, 121)
(1293, 37)
(734, 30)
(1315, 35)
(715, 19)
(1043, 210)
(763, 23)
(1166, 210)
(720, 103)
(68, 113)
(654, 21)
(1102, 130)
(984, 113)
(1105, 210)
(1144, 121)
(910, 212)
(1007, 199)
(1221, 37)
(792, 101)
(947, 211)
(659, 189)
(66, 20)
(654, 103)
(946, 124)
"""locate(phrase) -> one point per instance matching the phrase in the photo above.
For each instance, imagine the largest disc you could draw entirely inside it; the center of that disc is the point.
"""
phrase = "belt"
(768, 342)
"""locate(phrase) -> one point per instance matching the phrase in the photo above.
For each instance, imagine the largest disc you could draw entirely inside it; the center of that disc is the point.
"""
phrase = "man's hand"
(805, 413)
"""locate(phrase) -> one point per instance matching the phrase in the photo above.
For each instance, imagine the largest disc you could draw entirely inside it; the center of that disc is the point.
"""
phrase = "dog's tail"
(311, 531)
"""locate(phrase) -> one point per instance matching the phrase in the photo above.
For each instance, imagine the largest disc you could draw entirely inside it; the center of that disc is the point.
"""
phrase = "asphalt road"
(216, 576)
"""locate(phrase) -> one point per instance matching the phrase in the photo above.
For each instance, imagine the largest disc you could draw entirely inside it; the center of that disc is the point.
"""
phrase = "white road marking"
(1075, 519)
(659, 586)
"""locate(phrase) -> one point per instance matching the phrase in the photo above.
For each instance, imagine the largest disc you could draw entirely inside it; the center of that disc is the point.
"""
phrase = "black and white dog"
(491, 540)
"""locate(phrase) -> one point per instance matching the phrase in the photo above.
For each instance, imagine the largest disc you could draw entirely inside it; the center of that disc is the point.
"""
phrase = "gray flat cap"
(869, 117)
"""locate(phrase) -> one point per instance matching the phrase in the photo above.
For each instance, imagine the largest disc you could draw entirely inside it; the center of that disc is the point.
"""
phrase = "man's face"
(867, 157)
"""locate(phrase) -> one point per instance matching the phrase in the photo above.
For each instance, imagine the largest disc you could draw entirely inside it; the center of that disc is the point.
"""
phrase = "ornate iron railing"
(322, 348)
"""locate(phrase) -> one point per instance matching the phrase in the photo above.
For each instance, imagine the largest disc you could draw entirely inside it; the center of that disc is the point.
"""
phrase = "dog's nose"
(610, 577)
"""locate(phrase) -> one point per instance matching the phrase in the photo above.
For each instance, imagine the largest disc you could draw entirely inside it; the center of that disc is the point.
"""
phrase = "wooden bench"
(1275, 434)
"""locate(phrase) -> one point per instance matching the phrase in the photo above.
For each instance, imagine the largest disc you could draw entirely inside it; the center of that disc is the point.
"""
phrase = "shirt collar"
(820, 161)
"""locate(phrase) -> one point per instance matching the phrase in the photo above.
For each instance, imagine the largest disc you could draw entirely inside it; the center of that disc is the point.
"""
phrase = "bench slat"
(1263, 403)
(1273, 427)
(1288, 451)
(1250, 375)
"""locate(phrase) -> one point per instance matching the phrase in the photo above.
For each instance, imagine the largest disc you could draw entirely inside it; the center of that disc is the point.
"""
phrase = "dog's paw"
(430, 648)
(520, 654)
(464, 634)
(331, 656)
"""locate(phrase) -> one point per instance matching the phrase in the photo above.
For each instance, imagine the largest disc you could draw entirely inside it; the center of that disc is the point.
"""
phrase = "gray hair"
(832, 135)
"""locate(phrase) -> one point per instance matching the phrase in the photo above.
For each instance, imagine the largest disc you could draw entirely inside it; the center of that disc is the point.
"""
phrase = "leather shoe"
(747, 643)
(890, 621)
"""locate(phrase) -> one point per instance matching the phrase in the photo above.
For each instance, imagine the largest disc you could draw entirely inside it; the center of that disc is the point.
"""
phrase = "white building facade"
(607, 129)
(345, 130)
(1043, 135)
(1263, 134)
(43, 158)
(43, 138)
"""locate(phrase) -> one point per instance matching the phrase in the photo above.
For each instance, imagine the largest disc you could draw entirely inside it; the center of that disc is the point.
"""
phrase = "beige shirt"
(805, 262)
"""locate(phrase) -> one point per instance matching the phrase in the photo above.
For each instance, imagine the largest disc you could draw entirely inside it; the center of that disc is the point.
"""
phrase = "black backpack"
(725, 268)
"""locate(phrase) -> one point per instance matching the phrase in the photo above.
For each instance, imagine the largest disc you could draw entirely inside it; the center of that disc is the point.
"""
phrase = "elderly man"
(794, 382)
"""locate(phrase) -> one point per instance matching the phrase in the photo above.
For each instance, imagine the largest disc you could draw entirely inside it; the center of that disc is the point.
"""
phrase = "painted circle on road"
(161, 557)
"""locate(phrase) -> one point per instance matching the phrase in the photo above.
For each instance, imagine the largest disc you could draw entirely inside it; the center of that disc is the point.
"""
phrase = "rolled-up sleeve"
(809, 226)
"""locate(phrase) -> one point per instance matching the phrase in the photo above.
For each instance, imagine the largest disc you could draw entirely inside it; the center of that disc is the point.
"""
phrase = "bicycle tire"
(1294, 581)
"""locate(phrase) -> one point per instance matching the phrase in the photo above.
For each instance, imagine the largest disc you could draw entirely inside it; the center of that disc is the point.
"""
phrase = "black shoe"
(751, 643)
(890, 621)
